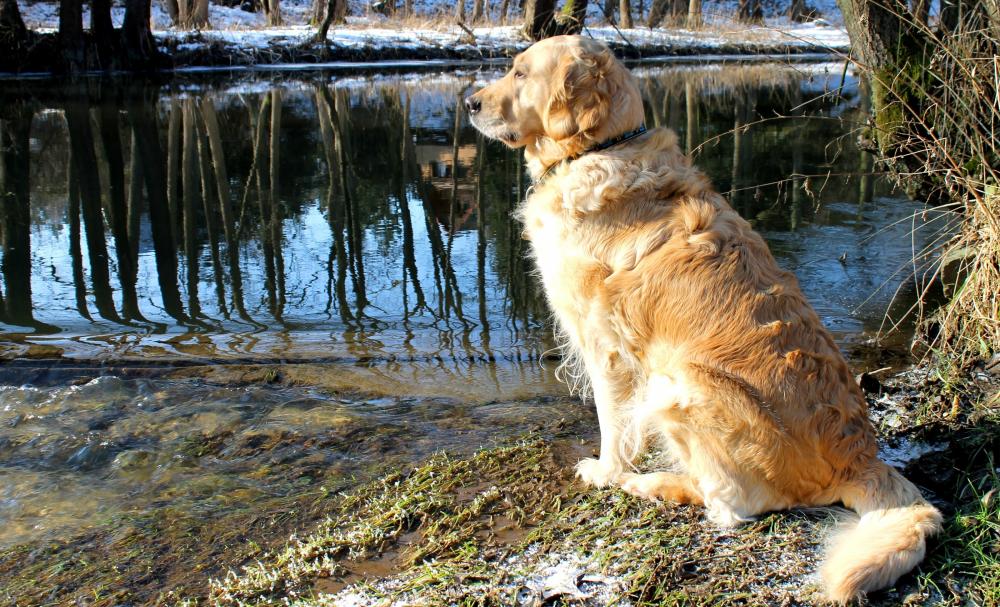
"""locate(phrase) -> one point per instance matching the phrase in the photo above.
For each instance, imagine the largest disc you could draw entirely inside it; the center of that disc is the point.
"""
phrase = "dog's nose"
(473, 105)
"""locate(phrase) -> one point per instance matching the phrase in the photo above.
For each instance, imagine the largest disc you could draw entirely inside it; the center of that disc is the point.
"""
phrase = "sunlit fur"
(687, 329)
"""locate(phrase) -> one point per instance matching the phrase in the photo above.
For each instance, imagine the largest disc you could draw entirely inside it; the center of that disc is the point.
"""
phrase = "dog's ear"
(581, 98)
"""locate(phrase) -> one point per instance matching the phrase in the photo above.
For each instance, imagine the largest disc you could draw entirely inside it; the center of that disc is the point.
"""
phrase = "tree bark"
(574, 15)
(272, 10)
(103, 31)
(173, 9)
(336, 12)
(460, 11)
(193, 14)
(12, 29)
(625, 14)
(477, 10)
(137, 35)
(504, 8)
(538, 18)
(71, 34)
(694, 14)
(318, 12)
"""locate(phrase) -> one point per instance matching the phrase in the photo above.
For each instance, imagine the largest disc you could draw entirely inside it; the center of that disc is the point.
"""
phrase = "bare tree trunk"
(103, 31)
(460, 11)
(538, 18)
(336, 12)
(574, 15)
(137, 35)
(608, 8)
(625, 14)
(174, 11)
(193, 14)
(504, 8)
(11, 24)
(657, 13)
(477, 10)
(694, 14)
(318, 12)
(71, 34)
(272, 10)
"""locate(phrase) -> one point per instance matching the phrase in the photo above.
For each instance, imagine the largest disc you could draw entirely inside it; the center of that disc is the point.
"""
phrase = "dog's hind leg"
(666, 486)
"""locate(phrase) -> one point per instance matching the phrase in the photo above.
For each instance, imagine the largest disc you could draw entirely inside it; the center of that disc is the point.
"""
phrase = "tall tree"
(272, 12)
(71, 34)
(336, 12)
(460, 11)
(103, 31)
(137, 35)
(193, 14)
(797, 11)
(539, 18)
(477, 10)
(574, 15)
(694, 14)
(625, 16)
(12, 27)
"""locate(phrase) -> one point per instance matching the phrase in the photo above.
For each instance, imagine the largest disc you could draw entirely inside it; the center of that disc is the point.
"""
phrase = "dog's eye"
(519, 74)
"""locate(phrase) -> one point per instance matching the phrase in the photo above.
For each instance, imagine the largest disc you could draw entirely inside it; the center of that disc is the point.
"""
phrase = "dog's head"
(560, 97)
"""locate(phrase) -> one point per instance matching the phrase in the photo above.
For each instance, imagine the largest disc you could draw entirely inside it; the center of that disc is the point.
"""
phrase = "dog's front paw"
(597, 473)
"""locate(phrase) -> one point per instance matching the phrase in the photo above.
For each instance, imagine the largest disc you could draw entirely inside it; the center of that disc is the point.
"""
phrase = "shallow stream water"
(232, 290)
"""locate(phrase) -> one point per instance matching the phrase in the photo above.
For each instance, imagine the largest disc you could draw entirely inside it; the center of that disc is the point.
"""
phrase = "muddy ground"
(508, 525)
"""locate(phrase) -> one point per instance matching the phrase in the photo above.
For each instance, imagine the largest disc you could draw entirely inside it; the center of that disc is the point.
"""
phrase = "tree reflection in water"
(354, 218)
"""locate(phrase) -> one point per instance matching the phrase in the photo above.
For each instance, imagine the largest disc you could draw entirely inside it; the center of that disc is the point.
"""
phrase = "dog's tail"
(886, 541)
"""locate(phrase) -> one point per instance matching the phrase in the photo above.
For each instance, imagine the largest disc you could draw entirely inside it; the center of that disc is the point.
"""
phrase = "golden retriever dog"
(674, 312)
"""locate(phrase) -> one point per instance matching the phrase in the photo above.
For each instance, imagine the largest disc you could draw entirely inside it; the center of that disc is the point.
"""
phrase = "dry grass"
(943, 120)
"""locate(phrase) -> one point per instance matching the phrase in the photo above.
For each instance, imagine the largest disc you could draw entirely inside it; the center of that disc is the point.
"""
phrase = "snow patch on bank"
(371, 32)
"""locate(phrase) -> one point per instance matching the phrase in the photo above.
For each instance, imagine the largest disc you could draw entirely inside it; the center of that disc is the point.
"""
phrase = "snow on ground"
(371, 31)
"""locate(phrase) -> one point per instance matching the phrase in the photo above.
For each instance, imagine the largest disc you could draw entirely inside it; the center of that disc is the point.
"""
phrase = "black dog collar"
(607, 143)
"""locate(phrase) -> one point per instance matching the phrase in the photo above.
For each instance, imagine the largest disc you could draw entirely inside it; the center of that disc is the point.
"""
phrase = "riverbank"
(508, 524)
(361, 41)
(296, 45)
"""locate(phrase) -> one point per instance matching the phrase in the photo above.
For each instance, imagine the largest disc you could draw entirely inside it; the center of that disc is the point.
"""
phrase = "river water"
(237, 292)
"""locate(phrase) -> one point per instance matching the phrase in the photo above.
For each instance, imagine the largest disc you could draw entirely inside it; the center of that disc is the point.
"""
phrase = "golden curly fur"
(685, 325)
